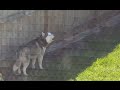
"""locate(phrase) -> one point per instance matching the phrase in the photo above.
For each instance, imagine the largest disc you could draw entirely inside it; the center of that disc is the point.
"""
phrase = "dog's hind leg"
(17, 66)
(25, 65)
(19, 71)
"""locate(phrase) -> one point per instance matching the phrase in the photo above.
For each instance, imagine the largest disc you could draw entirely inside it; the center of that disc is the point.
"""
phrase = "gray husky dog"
(33, 50)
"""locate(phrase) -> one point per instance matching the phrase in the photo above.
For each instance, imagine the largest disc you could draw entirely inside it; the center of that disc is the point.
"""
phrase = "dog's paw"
(19, 72)
(26, 74)
(41, 68)
(16, 73)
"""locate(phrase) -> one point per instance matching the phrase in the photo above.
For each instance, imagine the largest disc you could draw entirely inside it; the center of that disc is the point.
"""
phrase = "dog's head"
(48, 37)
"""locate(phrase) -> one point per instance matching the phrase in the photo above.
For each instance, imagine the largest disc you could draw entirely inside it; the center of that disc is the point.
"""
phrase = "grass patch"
(104, 69)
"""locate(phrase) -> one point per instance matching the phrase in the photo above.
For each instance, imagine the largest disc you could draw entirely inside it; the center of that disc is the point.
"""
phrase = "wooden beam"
(45, 21)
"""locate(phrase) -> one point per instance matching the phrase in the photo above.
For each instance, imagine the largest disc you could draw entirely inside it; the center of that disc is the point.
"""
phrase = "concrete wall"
(25, 28)
(63, 21)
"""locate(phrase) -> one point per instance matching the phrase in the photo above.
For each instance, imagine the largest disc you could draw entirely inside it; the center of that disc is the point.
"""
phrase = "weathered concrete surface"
(27, 28)
(20, 28)
(75, 54)
(67, 55)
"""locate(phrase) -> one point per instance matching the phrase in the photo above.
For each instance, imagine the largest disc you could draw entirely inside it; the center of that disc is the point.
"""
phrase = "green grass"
(103, 69)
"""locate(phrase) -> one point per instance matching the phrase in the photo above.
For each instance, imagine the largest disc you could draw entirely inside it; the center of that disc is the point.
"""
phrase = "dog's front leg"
(40, 59)
(33, 62)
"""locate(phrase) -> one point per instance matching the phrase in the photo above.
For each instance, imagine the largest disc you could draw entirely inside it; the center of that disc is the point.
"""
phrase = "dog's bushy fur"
(32, 51)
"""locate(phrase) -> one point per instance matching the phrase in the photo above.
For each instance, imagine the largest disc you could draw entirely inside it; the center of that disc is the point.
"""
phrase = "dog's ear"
(43, 34)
